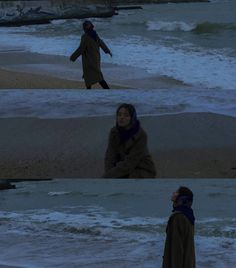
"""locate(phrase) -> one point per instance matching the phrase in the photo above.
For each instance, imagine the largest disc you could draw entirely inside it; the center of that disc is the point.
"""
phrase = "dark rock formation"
(134, 2)
(38, 12)
(16, 13)
(5, 184)
(127, 7)
(43, 11)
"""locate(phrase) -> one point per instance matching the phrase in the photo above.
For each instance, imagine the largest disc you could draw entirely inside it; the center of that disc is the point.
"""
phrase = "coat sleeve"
(103, 46)
(80, 50)
(111, 155)
(177, 233)
(125, 167)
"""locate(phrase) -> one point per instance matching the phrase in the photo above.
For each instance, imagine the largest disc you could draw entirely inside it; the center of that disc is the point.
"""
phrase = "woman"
(91, 59)
(179, 249)
(127, 154)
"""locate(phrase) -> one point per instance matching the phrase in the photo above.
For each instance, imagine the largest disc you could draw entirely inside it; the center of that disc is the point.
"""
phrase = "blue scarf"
(126, 134)
(92, 34)
(187, 211)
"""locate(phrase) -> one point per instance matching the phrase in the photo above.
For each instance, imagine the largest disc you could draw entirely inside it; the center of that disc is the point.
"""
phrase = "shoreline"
(197, 145)
(44, 71)
(22, 69)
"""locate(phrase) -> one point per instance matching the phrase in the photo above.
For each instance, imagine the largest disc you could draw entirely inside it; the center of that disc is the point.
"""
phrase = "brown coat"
(179, 246)
(130, 159)
(91, 59)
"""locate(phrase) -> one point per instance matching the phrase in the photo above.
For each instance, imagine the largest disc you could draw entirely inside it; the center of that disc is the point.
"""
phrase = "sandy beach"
(25, 70)
(13, 79)
(187, 145)
(191, 145)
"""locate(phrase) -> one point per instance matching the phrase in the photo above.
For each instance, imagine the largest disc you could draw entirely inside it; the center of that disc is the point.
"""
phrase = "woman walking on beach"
(127, 154)
(91, 59)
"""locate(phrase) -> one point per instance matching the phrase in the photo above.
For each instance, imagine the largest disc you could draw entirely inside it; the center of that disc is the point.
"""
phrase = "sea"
(191, 44)
(111, 223)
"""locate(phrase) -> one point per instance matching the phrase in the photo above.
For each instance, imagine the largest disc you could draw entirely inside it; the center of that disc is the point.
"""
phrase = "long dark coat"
(91, 59)
(129, 159)
(179, 246)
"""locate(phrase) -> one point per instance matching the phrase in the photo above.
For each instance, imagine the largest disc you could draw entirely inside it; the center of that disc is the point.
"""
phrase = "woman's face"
(174, 198)
(123, 118)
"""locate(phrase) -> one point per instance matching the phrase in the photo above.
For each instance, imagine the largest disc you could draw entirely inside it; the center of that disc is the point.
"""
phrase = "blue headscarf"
(126, 134)
(187, 211)
(88, 29)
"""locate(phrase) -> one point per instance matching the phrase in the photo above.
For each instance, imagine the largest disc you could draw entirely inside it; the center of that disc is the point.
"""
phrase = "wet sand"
(189, 145)
(20, 69)
(18, 80)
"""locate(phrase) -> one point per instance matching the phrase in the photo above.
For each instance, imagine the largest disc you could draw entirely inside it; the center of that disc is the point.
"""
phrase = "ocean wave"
(199, 28)
(208, 27)
(79, 220)
(165, 109)
(191, 65)
(119, 194)
(104, 235)
(219, 1)
(217, 227)
(58, 22)
(71, 193)
(43, 104)
(170, 26)
(58, 193)
(82, 230)
(88, 220)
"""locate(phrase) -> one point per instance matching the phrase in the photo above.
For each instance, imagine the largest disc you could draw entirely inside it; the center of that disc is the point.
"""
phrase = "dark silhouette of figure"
(127, 154)
(89, 48)
(179, 249)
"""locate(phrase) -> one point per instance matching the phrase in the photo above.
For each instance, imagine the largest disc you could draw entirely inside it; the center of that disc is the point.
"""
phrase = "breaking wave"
(170, 26)
(199, 28)
(208, 27)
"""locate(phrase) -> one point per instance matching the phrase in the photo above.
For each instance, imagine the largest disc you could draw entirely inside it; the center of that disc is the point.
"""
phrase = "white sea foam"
(71, 103)
(136, 237)
(48, 45)
(58, 193)
(96, 216)
(192, 67)
(170, 26)
(210, 220)
(91, 217)
(58, 22)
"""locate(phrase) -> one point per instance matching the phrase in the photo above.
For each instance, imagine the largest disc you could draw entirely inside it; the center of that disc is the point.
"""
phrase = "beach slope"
(188, 145)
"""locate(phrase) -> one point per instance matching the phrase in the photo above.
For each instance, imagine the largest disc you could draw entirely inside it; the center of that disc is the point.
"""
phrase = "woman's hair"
(131, 110)
(185, 195)
(87, 23)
